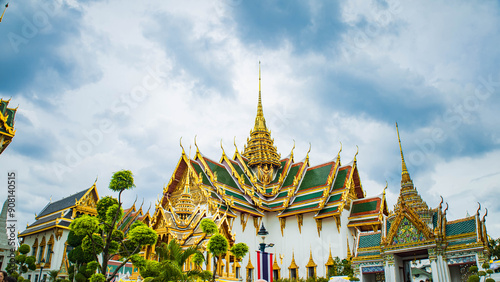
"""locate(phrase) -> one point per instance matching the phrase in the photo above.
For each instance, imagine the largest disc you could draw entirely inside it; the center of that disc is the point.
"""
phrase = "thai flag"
(265, 266)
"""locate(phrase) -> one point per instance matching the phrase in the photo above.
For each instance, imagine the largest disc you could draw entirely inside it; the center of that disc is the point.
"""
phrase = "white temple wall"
(57, 248)
(301, 244)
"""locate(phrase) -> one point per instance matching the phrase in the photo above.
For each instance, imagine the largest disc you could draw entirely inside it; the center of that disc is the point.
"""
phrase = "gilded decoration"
(319, 226)
(256, 223)
(276, 266)
(330, 261)
(407, 233)
(243, 220)
(293, 265)
(300, 221)
(282, 224)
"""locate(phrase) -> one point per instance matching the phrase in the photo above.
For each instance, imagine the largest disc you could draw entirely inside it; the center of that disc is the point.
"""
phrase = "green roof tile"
(334, 198)
(245, 207)
(280, 170)
(468, 241)
(308, 197)
(301, 208)
(198, 169)
(371, 240)
(327, 210)
(10, 116)
(275, 205)
(291, 174)
(315, 177)
(282, 194)
(340, 179)
(240, 172)
(461, 227)
(364, 207)
(368, 254)
(223, 175)
(236, 195)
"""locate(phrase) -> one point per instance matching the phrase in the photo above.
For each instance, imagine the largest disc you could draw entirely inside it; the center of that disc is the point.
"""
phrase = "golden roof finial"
(223, 152)
(180, 142)
(260, 121)
(385, 188)
(338, 154)
(405, 175)
(357, 151)
(484, 216)
(308, 151)
(196, 145)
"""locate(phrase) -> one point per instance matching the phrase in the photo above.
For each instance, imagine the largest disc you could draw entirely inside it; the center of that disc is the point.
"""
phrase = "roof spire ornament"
(260, 121)
(405, 175)
(260, 151)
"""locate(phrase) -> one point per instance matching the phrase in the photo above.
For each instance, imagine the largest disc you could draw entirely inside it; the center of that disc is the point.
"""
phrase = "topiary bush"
(473, 278)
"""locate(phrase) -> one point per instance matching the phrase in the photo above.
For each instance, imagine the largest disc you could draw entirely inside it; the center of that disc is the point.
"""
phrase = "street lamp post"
(42, 264)
(263, 233)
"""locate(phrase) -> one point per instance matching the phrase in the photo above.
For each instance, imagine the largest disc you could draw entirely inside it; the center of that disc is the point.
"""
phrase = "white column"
(435, 270)
(390, 272)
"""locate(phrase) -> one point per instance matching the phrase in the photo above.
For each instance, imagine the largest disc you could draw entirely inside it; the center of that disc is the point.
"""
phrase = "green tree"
(173, 258)
(217, 246)
(494, 248)
(22, 262)
(239, 250)
(340, 268)
(53, 275)
(473, 277)
(101, 236)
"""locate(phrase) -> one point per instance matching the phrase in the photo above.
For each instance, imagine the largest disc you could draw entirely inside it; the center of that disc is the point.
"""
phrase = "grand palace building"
(313, 213)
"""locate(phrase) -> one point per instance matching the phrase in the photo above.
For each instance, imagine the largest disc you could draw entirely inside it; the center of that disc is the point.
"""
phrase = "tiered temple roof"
(256, 182)
(60, 214)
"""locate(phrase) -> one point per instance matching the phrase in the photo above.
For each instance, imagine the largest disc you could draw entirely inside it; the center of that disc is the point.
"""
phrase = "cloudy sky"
(108, 85)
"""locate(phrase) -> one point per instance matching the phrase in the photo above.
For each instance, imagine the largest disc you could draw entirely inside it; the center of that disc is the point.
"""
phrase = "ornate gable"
(88, 202)
(408, 228)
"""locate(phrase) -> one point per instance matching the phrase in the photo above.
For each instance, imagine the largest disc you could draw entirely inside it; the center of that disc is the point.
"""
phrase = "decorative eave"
(43, 230)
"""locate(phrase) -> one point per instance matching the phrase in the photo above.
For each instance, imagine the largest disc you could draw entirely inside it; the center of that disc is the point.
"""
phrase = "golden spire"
(260, 151)
(405, 175)
(260, 121)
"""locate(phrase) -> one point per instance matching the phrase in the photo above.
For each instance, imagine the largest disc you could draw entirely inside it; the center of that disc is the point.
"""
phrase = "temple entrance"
(414, 266)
